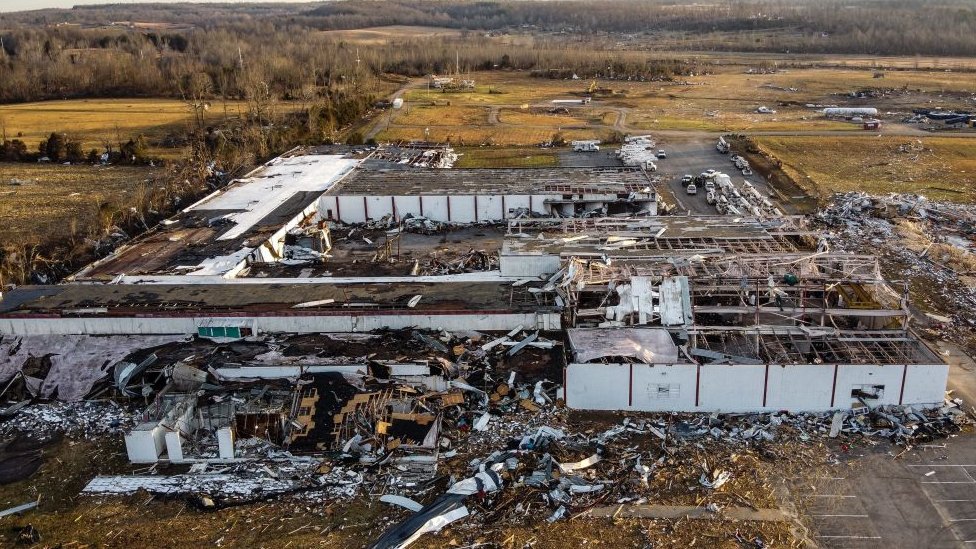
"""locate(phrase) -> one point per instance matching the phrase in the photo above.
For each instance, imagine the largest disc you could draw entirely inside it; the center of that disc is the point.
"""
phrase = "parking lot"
(692, 157)
(927, 498)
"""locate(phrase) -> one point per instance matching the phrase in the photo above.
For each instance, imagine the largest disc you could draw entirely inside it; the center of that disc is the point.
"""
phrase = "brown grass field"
(48, 202)
(941, 168)
(392, 33)
(514, 157)
(723, 101)
(98, 122)
(430, 115)
(488, 135)
(538, 118)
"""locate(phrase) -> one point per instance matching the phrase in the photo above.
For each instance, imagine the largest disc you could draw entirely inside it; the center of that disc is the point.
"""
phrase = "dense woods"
(240, 51)
(292, 63)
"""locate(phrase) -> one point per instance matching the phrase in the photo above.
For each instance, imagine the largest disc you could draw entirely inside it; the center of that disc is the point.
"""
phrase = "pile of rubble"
(465, 429)
(417, 155)
(472, 261)
(932, 244)
(533, 469)
(409, 223)
(80, 420)
(214, 487)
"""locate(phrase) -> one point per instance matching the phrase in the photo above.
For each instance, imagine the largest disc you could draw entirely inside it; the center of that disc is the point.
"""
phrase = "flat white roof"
(257, 197)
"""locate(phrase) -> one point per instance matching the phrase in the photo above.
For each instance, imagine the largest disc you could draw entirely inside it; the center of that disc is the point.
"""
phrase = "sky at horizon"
(24, 5)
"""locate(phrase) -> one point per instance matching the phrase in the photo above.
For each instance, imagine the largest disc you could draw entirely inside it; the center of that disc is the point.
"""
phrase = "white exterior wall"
(732, 388)
(851, 376)
(516, 202)
(745, 388)
(602, 388)
(650, 380)
(407, 205)
(539, 204)
(924, 382)
(282, 324)
(379, 206)
(798, 387)
(225, 443)
(174, 446)
(351, 209)
(490, 208)
(463, 208)
(144, 443)
(435, 208)
(326, 203)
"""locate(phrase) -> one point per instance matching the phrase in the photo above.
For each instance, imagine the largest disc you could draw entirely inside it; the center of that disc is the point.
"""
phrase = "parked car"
(661, 153)
(692, 189)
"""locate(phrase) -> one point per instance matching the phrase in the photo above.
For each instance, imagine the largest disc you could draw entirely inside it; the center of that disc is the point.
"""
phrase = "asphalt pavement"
(923, 498)
(692, 156)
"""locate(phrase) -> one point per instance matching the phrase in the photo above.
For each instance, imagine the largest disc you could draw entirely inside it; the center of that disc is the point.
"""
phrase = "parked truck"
(586, 146)
(722, 146)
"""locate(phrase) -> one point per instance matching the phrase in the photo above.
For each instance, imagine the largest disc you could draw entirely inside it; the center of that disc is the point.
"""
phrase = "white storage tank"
(850, 111)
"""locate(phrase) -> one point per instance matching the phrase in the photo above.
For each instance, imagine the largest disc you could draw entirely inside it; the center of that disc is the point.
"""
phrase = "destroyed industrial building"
(554, 287)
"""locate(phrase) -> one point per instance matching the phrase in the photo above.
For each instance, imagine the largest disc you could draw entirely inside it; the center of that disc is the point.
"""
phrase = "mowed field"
(43, 202)
(942, 168)
(97, 122)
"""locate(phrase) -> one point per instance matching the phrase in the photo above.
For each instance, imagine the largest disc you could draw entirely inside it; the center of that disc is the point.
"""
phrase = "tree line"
(881, 27)
(291, 63)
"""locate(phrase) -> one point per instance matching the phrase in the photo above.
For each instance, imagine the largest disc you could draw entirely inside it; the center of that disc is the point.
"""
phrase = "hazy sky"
(19, 5)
